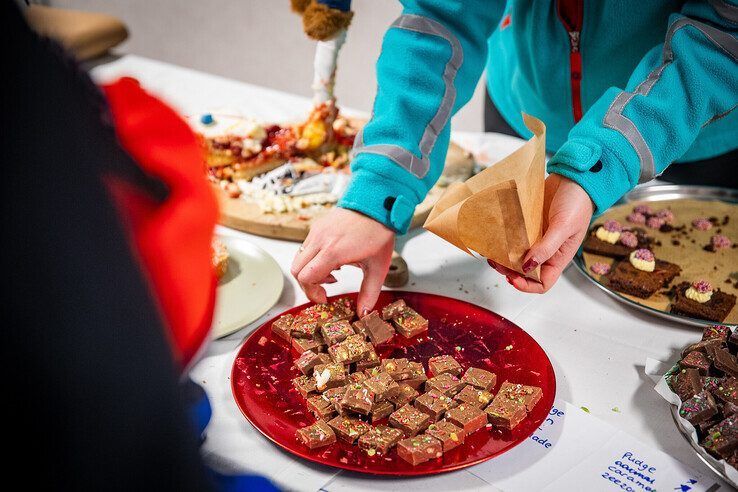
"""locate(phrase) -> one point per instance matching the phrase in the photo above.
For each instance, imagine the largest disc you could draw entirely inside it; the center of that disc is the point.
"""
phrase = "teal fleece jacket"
(625, 89)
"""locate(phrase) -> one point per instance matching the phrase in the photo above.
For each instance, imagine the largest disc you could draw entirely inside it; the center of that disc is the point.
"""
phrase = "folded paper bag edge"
(443, 218)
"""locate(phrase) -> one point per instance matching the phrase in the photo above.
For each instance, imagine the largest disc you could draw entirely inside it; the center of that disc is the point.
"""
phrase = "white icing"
(226, 124)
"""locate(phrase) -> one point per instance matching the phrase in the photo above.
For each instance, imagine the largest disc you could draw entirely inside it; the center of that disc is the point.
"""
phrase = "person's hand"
(344, 237)
(567, 210)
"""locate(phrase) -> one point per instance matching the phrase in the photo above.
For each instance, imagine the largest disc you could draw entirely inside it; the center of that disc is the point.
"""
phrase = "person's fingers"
(312, 274)
(304, 255)
(546, 247)
(374, 275)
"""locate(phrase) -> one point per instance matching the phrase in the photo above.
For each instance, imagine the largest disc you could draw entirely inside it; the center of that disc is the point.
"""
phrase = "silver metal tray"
(655, 193)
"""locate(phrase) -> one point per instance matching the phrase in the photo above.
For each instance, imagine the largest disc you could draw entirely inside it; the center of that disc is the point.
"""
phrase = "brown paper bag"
(498, 213)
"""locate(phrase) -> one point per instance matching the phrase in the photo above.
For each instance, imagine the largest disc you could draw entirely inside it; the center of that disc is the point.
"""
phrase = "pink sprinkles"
(655, 222)
(628, 239)
(600, 268)
(644, 254)
(643, 210)
(636, 218)
(719, 241)
(702, 224)
(612, 226)
(702, 286)
(665, 214)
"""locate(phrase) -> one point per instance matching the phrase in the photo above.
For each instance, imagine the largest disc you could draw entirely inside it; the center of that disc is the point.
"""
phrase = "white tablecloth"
(598, 346)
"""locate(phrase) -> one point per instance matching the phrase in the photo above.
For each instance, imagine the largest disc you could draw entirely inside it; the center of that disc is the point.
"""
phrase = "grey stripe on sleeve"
(725, 10)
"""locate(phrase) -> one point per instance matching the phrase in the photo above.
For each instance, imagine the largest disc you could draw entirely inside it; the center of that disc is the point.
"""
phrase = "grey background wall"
(260, 42)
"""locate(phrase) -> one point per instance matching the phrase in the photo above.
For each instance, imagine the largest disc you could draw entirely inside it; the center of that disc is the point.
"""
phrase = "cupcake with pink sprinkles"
(628, 239)
(600, 268)
(718, 241)
(702, 224)
(636, 218)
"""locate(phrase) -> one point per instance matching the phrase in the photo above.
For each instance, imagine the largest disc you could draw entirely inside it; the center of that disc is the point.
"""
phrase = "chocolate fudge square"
(302, 345)
(449, 434)
(399, 369)
(686, 383)
(696, 360)
(348, 429)
(628, 279)
(305, 385)
(479, 378)
(405, 394)
(409, 420)
(592, 244)
(722, 439)
(409, 323)
(381, 410)
(304, 328)
(700, 408)
(382, 385)
(336, 331)
(329, 376)
(419, 449)
(309, 359)
(445, 383)
(335, 395)
(716, 309)
(727, 391)
(505, 413)
(282, 326)
(371, 359)
(379, 440)
(353, 349)
(468, 417)
(357, 377)
(474, 396)
(357, 399)
(529, 396)
(434, 404)
(376, 329)
(317, 435)
(394, 309)
(321, 407)
(720, 333)
(417, 376)
(724, 361)
(444, 364)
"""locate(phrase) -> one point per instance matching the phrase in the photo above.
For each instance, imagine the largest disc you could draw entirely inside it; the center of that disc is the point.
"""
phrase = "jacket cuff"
(600, 173)
(385, 200)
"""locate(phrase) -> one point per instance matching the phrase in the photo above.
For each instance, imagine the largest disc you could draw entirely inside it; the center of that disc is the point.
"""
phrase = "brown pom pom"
(321, 22)
(299, 6)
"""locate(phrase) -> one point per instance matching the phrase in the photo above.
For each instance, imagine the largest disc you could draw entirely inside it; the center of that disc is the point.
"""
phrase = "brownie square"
(379, 440)
(353, 349)
(449, 434)
(592, 244)
(309, 359)
(399, 369)
(700, 408)
(358, 399)
(417, 375)
(479, 378)
(381, 411)
(444, 364)
(394, 309)
(409, 420)
(282, 326)
(468, 417)
(382, 385)
(405, 394)
(505, 413)
(410, 324)
(336, 331)
(317, 435)
(302, 345)
(305, 385)
(474, 396)
(527, 395)
(321, 407)
(716, 309)
(419, 449)
(628, 279)
(329, 376)
(445, 383)
(348, 429)
(434, 404)
(376, 329)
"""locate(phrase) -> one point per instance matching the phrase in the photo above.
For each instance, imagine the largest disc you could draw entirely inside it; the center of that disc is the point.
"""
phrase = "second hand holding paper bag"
(498, 213)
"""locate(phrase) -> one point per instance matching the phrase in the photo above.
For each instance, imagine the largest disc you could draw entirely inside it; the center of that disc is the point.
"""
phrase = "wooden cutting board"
(246, 216)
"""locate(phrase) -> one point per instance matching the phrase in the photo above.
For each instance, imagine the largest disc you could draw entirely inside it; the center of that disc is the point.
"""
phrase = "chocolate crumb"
(675, 242)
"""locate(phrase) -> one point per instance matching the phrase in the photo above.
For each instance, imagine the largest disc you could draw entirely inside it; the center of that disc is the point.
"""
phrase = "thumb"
(546, 247)
(374, 275)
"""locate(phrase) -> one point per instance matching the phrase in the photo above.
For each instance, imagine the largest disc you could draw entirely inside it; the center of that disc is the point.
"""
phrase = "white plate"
(250, 287)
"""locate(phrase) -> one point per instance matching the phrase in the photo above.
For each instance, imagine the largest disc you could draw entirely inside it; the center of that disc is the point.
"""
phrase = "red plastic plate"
(263, 370)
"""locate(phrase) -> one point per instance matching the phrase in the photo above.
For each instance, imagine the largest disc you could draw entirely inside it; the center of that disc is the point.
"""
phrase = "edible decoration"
(636, 218)
(207, 119)
(392, 402)
(643, 260)
(600, 268)
(700, 291)
(718, 241)
(702, 224)
(666, 215)
(655, 222)
(628, 239)
(643, 209)
(609, 231)
(714, 308)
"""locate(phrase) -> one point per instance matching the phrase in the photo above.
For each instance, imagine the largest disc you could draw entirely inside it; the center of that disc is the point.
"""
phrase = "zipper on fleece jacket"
(571, 15)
